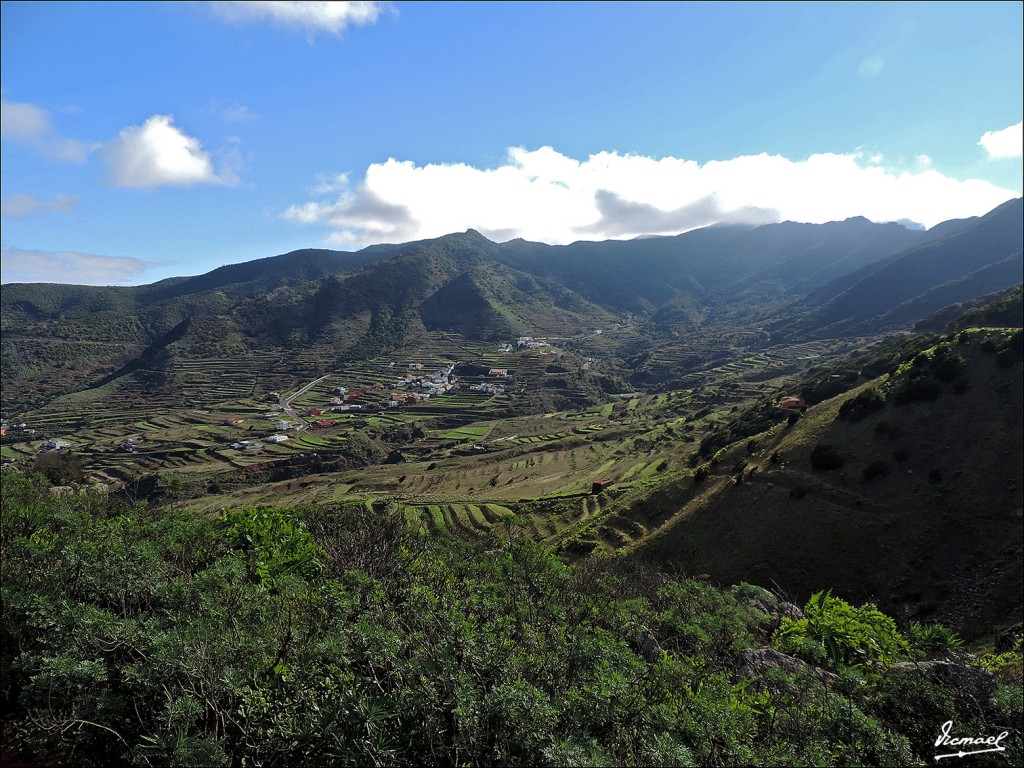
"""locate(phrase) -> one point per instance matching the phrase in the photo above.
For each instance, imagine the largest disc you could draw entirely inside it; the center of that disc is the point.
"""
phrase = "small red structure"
(600, 485)
(313, 412)
(790, 402)
(324, 423)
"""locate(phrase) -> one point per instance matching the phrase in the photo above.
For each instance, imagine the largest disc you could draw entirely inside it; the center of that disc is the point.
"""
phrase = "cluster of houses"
(418, 387)
(12, 429)
(528, 342)
(247, 445)
(256, 444)
(523, 342)
(487, 387)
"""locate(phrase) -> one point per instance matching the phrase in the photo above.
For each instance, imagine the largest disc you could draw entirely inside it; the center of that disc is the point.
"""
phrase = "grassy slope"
(938, 537)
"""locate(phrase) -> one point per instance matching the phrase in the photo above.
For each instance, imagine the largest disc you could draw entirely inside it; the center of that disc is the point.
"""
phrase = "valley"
(616, 457)
(495, 385)
(603, 408)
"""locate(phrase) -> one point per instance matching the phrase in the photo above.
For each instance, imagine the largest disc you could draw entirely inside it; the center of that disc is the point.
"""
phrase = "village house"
(530, 343)
(282, 425)
(277, 438)
(56, 445)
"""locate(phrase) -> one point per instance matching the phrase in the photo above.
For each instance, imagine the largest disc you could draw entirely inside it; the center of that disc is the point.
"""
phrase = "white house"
(277, 438)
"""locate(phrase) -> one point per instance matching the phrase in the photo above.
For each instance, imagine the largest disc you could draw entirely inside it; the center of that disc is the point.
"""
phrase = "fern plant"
(837, 634)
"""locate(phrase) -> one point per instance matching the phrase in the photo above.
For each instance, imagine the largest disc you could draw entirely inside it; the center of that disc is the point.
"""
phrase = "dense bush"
(60, 467)
(336, 635)
(863, 404)
(826, 457)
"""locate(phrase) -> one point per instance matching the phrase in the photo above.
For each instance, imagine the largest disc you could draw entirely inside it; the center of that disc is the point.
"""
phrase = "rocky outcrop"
(758, 662)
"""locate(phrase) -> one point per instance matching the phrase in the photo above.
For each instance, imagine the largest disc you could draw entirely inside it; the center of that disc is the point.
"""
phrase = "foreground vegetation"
(332, 635)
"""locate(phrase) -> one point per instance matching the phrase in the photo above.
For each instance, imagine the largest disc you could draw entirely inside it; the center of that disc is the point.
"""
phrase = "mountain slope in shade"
(919, 507)
(972, 258)
(712, 264)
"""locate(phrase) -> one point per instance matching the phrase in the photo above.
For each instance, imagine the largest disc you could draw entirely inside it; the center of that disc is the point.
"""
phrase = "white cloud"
(544, 195)
(158, 153)
(26, 266)
(309, 17)
(1005, 143)
(24, 123)
(26, 206)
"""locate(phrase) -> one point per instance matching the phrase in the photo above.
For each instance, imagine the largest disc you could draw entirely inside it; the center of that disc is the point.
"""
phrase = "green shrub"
(834, 633)
(864, 403)
(826, 457)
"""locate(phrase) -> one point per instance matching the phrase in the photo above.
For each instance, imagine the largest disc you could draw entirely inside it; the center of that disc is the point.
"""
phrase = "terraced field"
(475, 470)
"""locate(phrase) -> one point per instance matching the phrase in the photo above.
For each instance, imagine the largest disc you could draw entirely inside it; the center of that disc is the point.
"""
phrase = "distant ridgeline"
(791, 281)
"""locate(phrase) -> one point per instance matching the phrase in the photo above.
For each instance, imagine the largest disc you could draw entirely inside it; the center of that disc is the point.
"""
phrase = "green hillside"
(905, 489)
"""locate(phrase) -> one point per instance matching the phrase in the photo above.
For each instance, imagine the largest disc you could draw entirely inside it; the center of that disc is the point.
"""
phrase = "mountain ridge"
(782, 276)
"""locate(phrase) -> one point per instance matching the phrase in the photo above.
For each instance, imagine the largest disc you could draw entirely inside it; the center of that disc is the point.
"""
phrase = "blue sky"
(147, 140)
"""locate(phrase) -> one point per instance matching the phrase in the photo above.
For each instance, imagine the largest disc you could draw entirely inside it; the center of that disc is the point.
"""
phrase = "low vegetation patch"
(339, 635)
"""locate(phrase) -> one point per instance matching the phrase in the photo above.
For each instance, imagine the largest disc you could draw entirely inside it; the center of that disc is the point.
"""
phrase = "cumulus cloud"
(27, 206)
(159, 153)
(1005, 143)
(376, 220)
(29, 124)
(309, 17)
(547, 196)
(27, 266)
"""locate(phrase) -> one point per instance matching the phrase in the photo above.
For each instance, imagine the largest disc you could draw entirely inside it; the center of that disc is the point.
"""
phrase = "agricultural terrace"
(472, 464)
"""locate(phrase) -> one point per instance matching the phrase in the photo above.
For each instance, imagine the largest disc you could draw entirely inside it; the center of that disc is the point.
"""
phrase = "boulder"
(759, 661)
